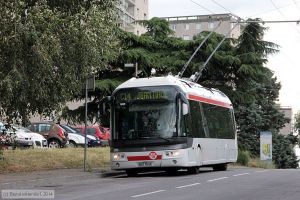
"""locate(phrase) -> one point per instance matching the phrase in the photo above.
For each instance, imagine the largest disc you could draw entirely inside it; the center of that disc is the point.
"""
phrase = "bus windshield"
(140, 121)
(145, 113)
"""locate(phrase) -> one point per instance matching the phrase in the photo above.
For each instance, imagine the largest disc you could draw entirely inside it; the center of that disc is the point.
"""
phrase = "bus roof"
(193, 91)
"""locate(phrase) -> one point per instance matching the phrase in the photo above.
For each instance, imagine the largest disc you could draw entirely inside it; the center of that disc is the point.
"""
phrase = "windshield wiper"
(166, 139)
(159, 137)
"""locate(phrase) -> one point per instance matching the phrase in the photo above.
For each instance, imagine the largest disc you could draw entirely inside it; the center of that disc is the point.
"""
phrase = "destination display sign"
(143, 96)
(146, 94)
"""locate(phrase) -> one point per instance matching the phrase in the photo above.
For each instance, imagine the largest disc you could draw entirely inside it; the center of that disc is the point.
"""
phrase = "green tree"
(297, 123)
(297, 126)
(283, 151)
(46, 50)
(256, 89)
(237, 68)
(154, 49)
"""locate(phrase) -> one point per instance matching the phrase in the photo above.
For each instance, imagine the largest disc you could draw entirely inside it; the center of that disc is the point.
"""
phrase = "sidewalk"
(51, 177)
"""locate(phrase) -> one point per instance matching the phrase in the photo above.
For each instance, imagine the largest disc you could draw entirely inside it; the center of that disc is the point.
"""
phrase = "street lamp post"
(133, 65)
(88, 86)
(85, 125)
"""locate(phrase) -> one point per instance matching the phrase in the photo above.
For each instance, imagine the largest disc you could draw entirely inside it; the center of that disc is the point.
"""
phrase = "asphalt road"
(234, 184)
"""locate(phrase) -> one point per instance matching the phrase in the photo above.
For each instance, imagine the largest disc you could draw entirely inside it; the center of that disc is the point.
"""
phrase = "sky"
(285, 64)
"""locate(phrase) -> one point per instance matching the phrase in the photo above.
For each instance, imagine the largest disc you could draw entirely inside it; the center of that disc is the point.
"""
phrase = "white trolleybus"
(168, 123)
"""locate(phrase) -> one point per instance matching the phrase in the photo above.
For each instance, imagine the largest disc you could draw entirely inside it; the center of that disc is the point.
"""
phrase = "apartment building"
(288, 113)
(186, 27)
(129, 12)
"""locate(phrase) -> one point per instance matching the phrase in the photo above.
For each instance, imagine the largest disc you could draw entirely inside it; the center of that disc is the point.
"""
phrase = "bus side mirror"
(185, 109)
(103, 104)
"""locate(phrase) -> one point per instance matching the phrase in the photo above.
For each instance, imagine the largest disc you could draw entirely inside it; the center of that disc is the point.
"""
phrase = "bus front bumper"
(126, 160)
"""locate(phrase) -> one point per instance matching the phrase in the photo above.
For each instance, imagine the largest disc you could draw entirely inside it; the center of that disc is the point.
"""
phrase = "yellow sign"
(266, 146)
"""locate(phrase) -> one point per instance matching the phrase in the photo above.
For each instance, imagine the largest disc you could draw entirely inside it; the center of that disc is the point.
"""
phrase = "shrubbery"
(256, 162)
(283, 153)
(7, 139)
(243, 158)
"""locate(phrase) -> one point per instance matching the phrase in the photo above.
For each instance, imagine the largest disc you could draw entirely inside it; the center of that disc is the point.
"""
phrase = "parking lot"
(53, 135)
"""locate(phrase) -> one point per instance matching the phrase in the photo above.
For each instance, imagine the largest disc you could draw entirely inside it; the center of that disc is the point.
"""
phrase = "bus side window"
(195, 120)
(188, 129)
(220, 121)
(184, 129)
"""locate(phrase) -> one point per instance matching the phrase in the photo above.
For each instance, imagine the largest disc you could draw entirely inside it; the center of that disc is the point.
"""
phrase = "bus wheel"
(193, 170)
(131, 173)
(220, 167)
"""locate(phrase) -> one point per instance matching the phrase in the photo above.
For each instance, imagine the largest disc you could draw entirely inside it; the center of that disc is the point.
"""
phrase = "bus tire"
(220, 167)
(131, 173)
(193, 170)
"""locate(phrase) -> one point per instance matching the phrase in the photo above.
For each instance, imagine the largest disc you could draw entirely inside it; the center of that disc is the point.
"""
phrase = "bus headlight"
(118, 156)
(173, 154)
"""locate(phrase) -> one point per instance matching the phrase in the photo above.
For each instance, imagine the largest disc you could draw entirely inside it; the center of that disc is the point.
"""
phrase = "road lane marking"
(184, 186)
(261, 171)
(217, 179)
(140, 195)
(241, 174)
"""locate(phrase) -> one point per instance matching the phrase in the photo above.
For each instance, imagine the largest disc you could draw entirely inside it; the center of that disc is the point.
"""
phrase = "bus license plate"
(145, 164)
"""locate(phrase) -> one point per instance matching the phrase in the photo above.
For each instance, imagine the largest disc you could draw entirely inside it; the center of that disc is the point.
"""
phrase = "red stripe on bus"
(140, 158)
(209, 101)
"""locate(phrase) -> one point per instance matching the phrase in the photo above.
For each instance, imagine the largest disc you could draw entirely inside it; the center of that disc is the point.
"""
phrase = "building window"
(137, 12)
(173, 26)
(145, 16)
(187, 26)
(186, 37)
(210, 25)
(198, 26)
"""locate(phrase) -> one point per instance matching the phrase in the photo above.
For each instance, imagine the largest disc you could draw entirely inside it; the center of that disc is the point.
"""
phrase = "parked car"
(92, 140)
(76, 140)
(54, 133)
(100, 132)
(39, 141)
(10, 137)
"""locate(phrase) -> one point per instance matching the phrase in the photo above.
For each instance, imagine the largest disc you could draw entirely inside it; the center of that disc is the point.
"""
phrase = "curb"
(57, 181)
(112, 173)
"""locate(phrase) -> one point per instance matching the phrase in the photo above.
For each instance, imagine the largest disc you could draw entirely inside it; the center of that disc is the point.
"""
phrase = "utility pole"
(136, 70)
(133, 65)
(88, 86)
(85, 125)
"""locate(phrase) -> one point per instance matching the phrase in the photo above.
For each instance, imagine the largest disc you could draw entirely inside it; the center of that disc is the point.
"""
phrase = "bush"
(243, 158)
(256, 162)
